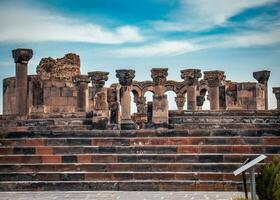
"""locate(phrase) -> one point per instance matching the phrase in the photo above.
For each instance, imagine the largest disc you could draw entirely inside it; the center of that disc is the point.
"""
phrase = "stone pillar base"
(160, 110)
(128, 125)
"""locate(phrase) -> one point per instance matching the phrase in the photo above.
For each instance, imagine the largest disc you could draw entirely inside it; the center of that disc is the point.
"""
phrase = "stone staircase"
(62, 152)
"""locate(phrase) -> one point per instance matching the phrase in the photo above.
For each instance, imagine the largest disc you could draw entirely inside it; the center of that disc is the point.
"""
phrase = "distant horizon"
(237, 37)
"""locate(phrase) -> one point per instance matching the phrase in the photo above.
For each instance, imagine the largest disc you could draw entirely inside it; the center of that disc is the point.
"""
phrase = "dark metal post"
(245, 184)
(253, 183)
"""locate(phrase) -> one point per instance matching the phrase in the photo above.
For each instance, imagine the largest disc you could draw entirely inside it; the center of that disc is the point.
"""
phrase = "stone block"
(55, 92)
(47, 92)
(47, 84)
(84, 158)
(69, 159)
(44, 150)
(58, 84)
(67, 92)
(24, 150)
(51, 159)
(59, 101)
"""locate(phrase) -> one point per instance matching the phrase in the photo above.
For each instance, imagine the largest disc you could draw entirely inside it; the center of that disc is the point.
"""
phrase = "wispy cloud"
(157, 49)
(24, 24)
(178, 47)
(205, 14)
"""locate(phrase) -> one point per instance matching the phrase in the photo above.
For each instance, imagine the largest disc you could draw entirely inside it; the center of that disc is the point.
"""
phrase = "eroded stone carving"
(65, 68)
(180, 100)
(159, 75)
(191, 76)
(262, 76)
(125, 76)
(214, 78)
(22, 55)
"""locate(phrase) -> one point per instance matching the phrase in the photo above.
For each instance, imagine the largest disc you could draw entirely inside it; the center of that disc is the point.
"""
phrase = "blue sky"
(239, 36)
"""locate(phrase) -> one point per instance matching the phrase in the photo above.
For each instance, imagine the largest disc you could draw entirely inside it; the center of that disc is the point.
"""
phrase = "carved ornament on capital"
(82, 79)
(22, 55)
(125, 76)
(159, 75)
(214, 78)
(262, 76)
(191, 76)
(98, 78)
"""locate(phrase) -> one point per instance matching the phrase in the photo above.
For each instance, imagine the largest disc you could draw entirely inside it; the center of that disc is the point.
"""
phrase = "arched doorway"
(171, 100)
(206, 102)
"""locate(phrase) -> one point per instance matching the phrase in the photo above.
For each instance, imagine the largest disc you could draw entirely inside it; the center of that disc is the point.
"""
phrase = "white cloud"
(246, 39)
(23, 24)
(157, 49)
(177, 47)
(204, 14)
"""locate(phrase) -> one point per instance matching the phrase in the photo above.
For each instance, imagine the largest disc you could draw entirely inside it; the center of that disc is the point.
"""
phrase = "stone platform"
(64, 152)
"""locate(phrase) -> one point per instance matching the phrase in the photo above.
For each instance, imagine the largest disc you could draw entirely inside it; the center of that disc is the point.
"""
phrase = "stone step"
(239, 126)
(46, 128)
(120, 167)
(117, 176)
(128, 158)
(225, 119)
(141, 141)
(151, 149)
(48, 122)
(226, 113)
(140, 185)
(142, 133)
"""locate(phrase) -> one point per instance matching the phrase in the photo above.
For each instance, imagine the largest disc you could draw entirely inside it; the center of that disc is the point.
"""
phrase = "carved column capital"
(82, 79)
(262, 76)
(191, 76)
(214, 78)
(276, 91)
(159, 75)
(125, 76)
(98, 78)
(22, 55)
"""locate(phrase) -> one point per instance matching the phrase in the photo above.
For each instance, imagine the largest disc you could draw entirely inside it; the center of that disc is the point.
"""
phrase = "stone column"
(276, 91)
(180, 100)
(213, 79)
(21, 58)
(191, 77)
(100, 117)
(125, 77)
(160, 102)
(82, 99)
(262, 77)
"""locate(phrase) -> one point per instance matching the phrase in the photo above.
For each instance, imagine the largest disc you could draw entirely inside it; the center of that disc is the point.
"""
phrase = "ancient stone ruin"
(63, 130)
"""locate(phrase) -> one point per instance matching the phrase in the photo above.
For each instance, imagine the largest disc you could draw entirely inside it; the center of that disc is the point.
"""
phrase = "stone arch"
(148, 89)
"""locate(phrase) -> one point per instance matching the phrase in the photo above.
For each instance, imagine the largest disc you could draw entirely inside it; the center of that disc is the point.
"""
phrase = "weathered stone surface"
(262, 76)
(159, 75)
(191, 76)
(125, 76)
(22, 55)
(65, 68)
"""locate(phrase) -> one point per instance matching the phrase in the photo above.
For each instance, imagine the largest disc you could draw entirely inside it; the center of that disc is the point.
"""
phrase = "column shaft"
(191, 98)
(125, 103)
(21, 88)
(214, 98)
(82, 101)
